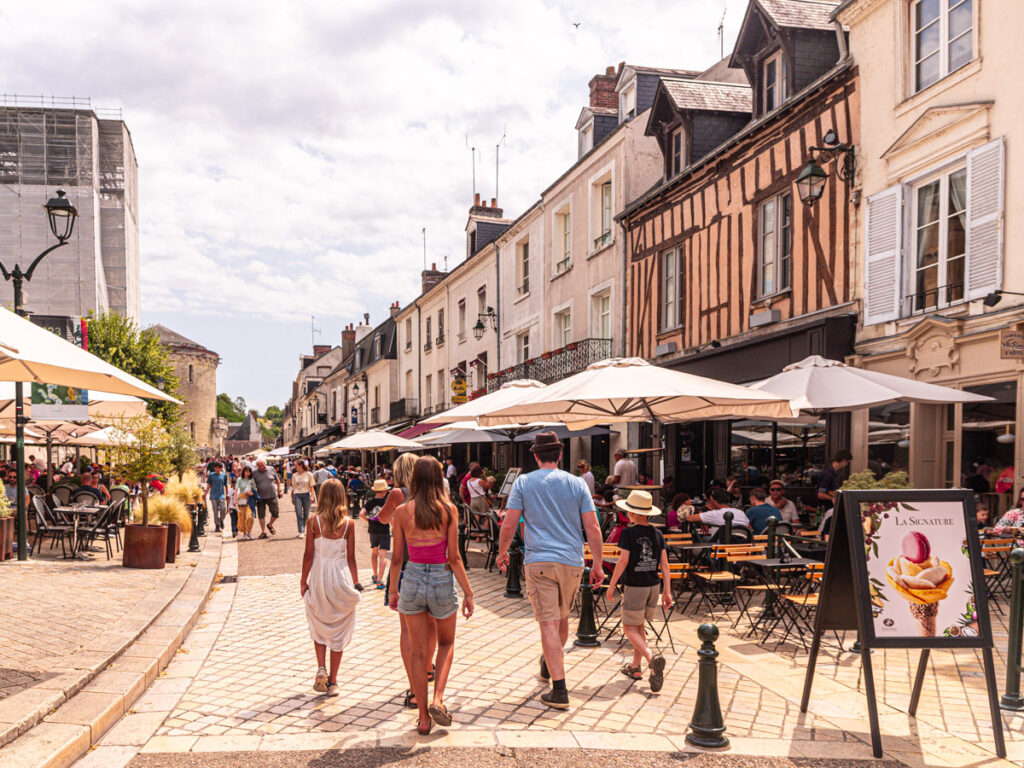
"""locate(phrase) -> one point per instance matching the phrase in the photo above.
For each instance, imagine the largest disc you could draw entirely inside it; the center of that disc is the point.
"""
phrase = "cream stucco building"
(936, 237)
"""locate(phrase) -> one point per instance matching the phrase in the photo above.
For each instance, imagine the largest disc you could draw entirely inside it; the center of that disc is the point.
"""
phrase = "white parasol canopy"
(372, 440)
(282, 451)
(102, 405)
(105, 437)
(29, 353)
(631, 389)
(509, 394)
(821, 385)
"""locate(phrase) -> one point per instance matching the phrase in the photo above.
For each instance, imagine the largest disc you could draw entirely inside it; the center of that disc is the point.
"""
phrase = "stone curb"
(54, 723)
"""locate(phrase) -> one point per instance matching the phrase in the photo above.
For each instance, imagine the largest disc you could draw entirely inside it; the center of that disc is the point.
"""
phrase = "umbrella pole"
(19, 454)
(775, 447)
(49, 459)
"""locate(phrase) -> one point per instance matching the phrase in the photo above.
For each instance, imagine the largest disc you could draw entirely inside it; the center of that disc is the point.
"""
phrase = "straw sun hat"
(380, 484)
(639, 503)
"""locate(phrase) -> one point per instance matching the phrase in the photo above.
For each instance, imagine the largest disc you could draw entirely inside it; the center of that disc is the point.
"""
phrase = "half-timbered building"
(730, 274)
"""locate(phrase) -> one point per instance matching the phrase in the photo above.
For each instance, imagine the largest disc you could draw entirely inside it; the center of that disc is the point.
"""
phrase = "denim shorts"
(427, 587)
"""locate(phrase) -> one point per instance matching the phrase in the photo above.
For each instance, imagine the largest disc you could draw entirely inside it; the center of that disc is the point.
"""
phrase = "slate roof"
(249, 430)
(171, 338)
(800, 14)
(702, 95)
(662, 71)
(721, 72)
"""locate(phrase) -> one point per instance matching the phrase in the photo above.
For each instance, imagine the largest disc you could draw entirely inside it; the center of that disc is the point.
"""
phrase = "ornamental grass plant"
(167, 509)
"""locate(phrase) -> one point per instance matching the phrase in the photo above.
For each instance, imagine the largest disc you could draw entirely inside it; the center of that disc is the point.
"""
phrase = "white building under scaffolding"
(52, 143)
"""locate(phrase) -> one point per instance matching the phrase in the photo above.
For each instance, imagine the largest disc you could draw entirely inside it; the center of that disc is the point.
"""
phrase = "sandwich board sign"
(912, 561)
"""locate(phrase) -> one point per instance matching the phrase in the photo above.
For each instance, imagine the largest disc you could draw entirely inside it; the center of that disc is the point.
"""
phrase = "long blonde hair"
(331, 505)
(402, 469)
(431, 502)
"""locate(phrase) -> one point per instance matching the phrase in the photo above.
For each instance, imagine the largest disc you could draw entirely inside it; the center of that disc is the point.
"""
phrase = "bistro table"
(77, 513)
(768, 565)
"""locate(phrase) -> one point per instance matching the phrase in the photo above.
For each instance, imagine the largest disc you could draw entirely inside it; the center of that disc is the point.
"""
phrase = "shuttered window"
(985, 172)
(882, 272)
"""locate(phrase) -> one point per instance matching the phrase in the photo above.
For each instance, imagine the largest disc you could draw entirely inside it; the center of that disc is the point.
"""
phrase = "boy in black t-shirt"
(642, 553)
(380, 533)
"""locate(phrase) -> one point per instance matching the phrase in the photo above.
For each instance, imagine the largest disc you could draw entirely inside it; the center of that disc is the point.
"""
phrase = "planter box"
(6, 538)
(145, 546)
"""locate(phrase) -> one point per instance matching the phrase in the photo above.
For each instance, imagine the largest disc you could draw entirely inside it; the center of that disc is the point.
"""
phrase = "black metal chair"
(99, 527)
(46, 526)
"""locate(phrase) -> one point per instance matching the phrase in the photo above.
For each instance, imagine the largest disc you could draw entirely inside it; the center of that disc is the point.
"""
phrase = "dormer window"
(773, 81)
(675, 152)
(627, 102)
(586, 138)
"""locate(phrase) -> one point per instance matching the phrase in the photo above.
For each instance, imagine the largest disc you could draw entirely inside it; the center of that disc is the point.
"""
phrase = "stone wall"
(197, 389)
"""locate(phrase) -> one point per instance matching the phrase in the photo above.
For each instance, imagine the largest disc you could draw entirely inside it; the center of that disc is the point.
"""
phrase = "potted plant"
(169, 510)
(6, 526)
(141, 449)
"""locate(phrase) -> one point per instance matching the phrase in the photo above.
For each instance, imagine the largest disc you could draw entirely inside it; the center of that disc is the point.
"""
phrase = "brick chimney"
(602, 90)
(348, 340)
(431, 277)
(321, 349)
(395, 308)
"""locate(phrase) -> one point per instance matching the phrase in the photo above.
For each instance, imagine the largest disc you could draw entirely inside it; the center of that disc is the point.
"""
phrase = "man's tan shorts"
(640, 604)
(551, 588)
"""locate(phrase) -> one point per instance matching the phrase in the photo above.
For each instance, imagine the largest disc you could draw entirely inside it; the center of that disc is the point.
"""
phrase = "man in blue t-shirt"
(760, 510)
(557, 510)
(216, 483)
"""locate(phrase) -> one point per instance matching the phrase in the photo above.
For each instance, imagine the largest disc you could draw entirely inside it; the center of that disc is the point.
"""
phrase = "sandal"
(657, 672)
(440, 715)
(262, 535)
(409, 703)
(320, 683)
(430, 674)
(633, 673)
(270, 527)
(422, 732)
(375, 580)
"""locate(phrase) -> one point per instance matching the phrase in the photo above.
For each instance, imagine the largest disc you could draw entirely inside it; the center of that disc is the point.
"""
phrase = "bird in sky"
(577, 24)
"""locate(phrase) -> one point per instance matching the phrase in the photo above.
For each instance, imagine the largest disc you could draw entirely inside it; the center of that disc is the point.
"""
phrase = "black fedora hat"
(545, 440)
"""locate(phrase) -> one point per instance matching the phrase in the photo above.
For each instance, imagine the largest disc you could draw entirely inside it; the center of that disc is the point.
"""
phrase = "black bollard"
(462, 545)
(513, 586)
(202, 519)
(586, 630)
(727, 528)
(193, 538)
(770, 530)
(707, 728)
(1012, 698)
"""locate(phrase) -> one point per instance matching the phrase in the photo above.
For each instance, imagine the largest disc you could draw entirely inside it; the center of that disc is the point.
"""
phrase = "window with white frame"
(671, 289)
(627, 102)
(563, 241)
(408, 333)
(563, 328)
(377, 343)
(601, 315)
(604, 214)
(939, 240)
(523, 347)
(773, 81)
(429, 391)
(523, 267)
(441, 399)
(462, 318)
(675, 152)
(428, 339)
(586, 138)
(943, 39)
(481, 300)
(775, 245)
(440, 326)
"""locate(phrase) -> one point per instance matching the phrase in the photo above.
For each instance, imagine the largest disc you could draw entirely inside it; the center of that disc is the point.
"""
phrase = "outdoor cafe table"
(773, 564)
(77, 513)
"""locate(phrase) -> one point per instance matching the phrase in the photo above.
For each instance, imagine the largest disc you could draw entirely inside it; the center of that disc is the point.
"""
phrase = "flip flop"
(440, 715)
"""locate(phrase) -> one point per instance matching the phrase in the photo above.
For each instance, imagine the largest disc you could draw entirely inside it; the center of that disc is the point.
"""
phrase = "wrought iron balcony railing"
(407, 408)
(554, 365)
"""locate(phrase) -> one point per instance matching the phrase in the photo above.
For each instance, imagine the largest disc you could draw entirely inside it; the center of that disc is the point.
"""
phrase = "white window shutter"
(985, 219)
(882, 273)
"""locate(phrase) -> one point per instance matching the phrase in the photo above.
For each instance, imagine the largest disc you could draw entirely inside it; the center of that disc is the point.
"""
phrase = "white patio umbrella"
(372, 440)
(819, 385)
(507, 395)
(102, 405)
(631, 389)
(282, 451)
(104, 437)
(469, 432)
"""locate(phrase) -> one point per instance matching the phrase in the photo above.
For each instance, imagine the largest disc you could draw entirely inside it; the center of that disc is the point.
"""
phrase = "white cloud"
(289, 153)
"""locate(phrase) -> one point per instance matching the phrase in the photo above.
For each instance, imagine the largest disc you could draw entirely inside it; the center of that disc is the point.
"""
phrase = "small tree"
(142, 448)
(181, 449)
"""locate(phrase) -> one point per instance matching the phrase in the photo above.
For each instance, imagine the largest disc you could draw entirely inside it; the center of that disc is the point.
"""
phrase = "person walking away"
(231, 495)
(380, 533)
(268, 486)
(428, 523)
(828, 483)
(624, 472)
(328, 583)
(477, 487)
(244, 493)
(216, 485)
(557, 511)
(402, 470)
(303, 495)
(642, 553)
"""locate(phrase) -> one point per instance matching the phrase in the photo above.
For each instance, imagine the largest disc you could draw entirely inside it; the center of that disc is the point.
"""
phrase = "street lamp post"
(492, 319)
(811, 181)
(61, 214)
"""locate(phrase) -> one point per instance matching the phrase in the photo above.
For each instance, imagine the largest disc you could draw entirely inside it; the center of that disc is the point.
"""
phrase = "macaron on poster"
(918, 569)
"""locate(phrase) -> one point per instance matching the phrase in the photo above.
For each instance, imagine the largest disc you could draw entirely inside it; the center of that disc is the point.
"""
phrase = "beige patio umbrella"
(102, 405)
(631, 389)
(505, 396)
(373, 440)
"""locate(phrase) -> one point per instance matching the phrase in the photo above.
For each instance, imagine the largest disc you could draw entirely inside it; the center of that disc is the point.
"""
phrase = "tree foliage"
(181, 449)
(118, 340)
(142, 447)
(228, 408)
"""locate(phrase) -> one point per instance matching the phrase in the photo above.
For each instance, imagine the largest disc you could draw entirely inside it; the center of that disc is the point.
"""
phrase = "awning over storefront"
(332, 431)
(416, 430)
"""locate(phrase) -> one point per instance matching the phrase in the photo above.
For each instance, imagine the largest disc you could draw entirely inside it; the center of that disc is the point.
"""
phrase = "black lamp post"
(810, 184)
(480, 328)
(61, 214)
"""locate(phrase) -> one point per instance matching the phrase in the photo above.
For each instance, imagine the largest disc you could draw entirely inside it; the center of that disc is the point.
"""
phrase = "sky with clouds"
(290, 153)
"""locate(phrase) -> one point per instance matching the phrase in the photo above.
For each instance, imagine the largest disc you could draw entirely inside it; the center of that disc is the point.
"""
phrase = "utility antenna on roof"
(472, 151)
(446, 262)
(424, 249)
(313, 330)
(497, 153)
(721, 33)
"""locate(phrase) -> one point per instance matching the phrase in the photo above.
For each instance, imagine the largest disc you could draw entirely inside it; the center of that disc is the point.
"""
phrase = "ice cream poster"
(919, 570)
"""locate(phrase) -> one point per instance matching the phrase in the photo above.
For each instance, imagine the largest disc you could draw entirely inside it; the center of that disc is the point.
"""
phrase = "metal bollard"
(586, 630)
(462, 545)
(193, 538)
(202, 519)
(513, 586)
(707, 728)
(770, 530)
(727, 529)
(1012, 698)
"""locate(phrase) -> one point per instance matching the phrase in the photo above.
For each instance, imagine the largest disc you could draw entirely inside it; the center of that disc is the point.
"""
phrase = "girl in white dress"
(328, 582)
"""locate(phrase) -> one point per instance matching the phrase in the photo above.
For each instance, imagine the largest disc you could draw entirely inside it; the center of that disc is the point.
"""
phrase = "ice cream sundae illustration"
(920, 578)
